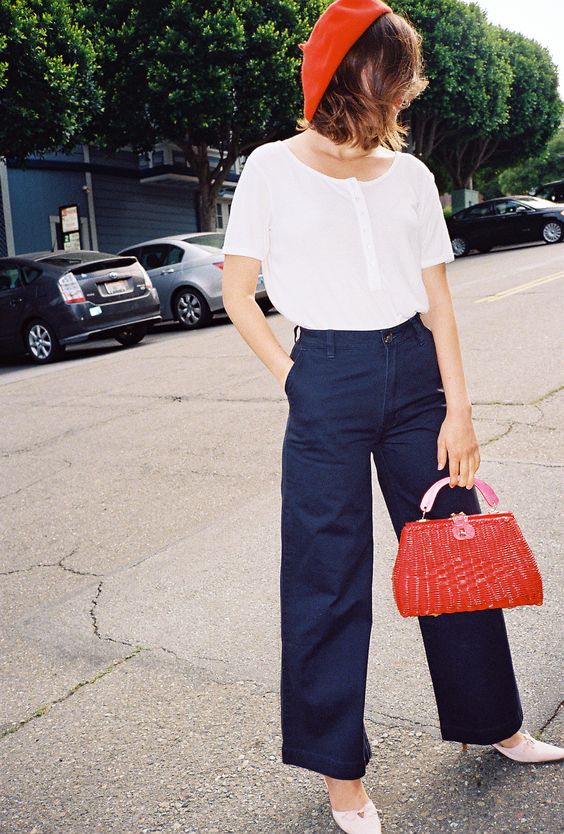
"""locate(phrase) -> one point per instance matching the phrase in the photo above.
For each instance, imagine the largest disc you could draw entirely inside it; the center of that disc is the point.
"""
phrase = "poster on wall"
(70, 227)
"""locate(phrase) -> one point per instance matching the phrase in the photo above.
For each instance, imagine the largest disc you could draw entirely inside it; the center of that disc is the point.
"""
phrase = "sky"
(542, 20)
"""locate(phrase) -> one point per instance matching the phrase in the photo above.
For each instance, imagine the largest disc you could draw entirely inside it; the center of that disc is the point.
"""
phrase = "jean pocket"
(295, 354)
(424, 333)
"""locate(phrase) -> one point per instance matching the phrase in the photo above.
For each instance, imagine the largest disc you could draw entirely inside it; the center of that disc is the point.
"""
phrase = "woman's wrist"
(460, 408)
(282, 378)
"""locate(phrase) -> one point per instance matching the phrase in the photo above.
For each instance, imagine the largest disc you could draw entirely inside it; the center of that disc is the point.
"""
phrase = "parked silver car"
(187, 276)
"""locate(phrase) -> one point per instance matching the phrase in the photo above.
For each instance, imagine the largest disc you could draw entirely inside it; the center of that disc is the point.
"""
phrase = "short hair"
(360, 104)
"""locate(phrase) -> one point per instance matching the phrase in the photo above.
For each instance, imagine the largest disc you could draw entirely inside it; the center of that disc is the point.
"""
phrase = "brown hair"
(360, 104)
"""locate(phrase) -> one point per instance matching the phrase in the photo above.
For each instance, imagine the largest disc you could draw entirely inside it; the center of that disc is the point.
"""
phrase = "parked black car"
(504, 221)
(52, 299)
(553, 191)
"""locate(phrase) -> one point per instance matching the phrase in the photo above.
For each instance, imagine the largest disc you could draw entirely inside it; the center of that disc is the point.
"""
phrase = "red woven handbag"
(464, 562)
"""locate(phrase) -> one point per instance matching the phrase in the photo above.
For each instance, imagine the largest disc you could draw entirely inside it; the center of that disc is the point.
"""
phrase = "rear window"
(536, 202)
(214, 250)
(212, 239)
(73, 258)
(115, 263)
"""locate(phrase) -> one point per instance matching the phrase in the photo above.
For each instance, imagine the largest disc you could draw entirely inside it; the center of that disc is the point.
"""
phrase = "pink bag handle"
(430, 495)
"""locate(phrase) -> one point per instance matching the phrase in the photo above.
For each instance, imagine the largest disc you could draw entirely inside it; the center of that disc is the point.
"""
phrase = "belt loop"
(330, 342)
(295, 330)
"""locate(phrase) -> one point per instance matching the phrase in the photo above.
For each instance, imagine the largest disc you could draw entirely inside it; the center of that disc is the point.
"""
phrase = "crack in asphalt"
(535, 402)
(58, 564)
(40, 711)
(552, 717)
(75, 430)
(498, 436)
(371, 713)
(518, 462)
(38, 481)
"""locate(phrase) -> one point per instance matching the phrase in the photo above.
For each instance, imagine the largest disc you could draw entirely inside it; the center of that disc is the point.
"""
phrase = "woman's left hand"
(457, 438)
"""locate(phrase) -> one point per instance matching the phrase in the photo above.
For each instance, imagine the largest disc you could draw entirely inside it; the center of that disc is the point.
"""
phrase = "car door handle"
(166, 271)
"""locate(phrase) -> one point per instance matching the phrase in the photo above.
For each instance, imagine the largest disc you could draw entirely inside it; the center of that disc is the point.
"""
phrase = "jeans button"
(388, 337)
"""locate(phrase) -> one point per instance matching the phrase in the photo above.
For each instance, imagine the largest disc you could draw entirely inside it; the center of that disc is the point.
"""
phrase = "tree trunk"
(206, 208)
(209, 181)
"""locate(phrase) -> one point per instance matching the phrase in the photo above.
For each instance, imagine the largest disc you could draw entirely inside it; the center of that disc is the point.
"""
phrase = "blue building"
(122, 199)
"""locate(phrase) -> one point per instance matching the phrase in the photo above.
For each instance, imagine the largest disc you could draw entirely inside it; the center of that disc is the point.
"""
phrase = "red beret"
(335, 31)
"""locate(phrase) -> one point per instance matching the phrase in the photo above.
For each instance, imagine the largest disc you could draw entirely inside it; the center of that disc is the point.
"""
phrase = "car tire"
(460, 246)
(41, 343)
(552, 232)
(131, 334)
(190, 309)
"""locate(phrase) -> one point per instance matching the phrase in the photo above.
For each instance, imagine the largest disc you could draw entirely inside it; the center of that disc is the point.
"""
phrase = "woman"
(353, 245)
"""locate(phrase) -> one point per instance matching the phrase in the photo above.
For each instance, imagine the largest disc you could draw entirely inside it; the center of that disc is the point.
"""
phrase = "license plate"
(117, 287)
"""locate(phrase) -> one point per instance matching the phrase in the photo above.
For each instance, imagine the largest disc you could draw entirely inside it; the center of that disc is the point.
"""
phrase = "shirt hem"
(248, 253)
(439, 259)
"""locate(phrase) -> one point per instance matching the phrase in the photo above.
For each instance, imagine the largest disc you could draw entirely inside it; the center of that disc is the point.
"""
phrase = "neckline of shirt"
(341, 179)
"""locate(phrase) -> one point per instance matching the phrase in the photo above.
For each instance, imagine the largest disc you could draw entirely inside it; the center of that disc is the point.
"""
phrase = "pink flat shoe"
(530, 750)
(363, 821)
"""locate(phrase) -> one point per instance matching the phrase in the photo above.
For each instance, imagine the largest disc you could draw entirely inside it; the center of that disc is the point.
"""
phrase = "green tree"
(534, 171)
(226, 78)
(47, 89)
(493, 94)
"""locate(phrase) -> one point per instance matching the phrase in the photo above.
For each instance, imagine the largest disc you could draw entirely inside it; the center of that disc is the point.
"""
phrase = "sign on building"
(70, 227)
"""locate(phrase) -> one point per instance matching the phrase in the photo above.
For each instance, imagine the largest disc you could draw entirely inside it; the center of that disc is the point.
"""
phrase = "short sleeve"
(434, 238)
(247, 230)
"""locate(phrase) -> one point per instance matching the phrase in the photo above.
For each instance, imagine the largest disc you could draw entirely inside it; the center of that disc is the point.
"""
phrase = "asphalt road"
(139, 520)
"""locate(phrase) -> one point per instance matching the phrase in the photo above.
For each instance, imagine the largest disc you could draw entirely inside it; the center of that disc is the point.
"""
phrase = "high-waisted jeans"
(353, 394)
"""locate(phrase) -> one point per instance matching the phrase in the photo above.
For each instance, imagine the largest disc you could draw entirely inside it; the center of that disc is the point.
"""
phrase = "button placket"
(374, 271)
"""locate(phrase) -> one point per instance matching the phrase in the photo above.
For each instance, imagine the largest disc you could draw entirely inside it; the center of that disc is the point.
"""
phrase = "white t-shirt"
(339, 253)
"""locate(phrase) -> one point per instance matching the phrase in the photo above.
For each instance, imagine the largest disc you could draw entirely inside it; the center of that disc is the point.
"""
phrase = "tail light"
(146, 278)
(219, 264)
(70, 289)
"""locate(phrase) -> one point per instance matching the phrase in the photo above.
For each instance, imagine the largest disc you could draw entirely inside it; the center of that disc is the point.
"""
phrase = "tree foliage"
(181, 71)
(47, 88)
(493, 94)
(227, 75)
(547, 166)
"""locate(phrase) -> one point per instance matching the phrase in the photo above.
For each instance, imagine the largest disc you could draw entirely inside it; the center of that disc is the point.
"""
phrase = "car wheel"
(41, 343)
(191, 309)
(131, 334)
(460, 246)
(552, 232)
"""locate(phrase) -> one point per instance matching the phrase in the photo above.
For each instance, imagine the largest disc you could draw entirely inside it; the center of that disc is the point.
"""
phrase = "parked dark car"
(49, 300)
(553, 191)
(504, 221)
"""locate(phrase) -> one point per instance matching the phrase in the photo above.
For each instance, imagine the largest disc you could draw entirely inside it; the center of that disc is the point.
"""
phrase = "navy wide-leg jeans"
(354, 395)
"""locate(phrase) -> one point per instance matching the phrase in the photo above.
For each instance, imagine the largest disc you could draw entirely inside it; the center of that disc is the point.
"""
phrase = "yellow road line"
(520, 287)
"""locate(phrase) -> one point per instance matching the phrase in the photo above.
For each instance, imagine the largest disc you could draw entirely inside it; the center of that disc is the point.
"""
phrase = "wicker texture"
(439, 570)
